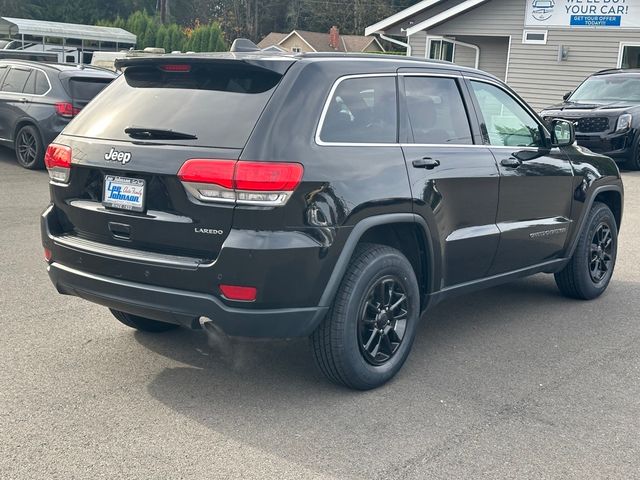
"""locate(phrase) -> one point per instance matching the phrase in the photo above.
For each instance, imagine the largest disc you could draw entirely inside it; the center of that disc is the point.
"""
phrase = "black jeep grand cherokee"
(325, 195)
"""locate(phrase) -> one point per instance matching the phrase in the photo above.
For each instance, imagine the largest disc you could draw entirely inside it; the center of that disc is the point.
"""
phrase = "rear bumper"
(71, 273)
(183, 308)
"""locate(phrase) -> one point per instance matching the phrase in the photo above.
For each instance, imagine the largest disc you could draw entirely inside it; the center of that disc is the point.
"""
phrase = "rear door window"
(83, 89)
(15, 80)
(217, 102)
(436, 111)
(30, 86)
(362, 110)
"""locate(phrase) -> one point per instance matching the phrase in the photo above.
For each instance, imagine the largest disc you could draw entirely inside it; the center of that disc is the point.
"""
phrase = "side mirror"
(562, 133)
(566, 96)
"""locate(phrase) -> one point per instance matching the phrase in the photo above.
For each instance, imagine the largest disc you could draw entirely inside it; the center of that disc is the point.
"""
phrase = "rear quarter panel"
(342, 185)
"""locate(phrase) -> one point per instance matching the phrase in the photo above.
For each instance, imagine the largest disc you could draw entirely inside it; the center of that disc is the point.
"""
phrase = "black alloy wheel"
(600, 255)
(29, 150)
(368, 332)
(588, 272)
(383, 320)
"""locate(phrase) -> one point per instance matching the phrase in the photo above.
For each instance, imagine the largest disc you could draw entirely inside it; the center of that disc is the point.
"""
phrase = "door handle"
(510, 162)
(23, 100)
(426, 162)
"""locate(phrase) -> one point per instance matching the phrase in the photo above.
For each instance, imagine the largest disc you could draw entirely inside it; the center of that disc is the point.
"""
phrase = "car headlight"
(624, 122)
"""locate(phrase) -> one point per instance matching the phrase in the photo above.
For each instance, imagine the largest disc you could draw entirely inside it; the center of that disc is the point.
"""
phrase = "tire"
(589, 271)
(340, 342)
(29, 148)
(141, 323)
(633, 163)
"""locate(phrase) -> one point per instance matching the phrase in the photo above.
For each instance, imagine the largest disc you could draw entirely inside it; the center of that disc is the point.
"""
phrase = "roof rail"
(243, 45)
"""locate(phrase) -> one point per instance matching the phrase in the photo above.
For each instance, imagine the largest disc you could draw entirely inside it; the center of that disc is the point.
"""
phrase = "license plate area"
(124, 193)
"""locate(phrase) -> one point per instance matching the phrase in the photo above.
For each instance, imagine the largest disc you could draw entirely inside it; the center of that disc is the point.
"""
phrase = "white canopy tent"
(71, 42)
(16, 27)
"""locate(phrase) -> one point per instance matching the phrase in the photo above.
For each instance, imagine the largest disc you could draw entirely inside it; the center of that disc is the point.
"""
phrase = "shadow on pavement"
(473, 355)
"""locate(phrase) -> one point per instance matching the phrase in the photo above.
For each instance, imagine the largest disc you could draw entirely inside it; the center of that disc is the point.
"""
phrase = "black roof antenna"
(243, 45)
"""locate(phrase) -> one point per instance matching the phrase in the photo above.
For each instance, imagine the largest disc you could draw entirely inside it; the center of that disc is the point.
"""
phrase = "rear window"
(84, 89)
(362, 110)
(42, 84)
(217, 102)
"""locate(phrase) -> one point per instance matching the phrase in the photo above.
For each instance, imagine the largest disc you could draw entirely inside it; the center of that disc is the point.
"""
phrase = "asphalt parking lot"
(513, 382)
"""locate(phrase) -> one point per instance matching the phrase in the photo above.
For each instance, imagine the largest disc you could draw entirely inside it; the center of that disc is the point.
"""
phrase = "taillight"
(58, 162)
(66, 109)
(236, 292)
(178, 67)
(209, 180)
(244, 183)
(47, 255)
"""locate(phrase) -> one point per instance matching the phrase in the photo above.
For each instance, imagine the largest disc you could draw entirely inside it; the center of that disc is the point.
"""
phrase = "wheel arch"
(23, 122)
(612, 196)
(613, 200)
(406, 232)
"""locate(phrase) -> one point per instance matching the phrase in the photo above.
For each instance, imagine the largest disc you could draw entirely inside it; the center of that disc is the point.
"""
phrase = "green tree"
(178, 37)
(161, 37)
(149, 35)
(216, 42)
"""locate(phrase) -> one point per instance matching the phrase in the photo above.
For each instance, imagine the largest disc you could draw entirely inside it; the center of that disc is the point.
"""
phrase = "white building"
(541, 48)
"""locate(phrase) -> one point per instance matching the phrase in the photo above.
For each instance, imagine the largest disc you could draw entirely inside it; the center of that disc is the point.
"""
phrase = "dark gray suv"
(38, 100)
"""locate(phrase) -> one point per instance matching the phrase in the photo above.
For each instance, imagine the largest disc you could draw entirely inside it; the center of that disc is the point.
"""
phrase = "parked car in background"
(37, 100)
(330, 195)
(605, 110)
(29, 55)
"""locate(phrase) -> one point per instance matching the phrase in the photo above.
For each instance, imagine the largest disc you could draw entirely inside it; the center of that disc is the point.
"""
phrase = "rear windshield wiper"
(157, 134)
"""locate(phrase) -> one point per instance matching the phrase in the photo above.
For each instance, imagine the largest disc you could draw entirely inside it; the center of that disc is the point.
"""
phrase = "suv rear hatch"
(83, 85)
(128, 146)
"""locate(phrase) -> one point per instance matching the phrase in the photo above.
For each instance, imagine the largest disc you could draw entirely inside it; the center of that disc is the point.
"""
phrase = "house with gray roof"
(541, 48)
(333, 41)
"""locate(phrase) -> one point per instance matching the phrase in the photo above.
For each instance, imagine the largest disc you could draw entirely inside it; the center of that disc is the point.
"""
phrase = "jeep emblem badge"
(114, 156)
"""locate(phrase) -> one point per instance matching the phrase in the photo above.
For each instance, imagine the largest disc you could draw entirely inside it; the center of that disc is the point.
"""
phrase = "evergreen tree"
(149, 35)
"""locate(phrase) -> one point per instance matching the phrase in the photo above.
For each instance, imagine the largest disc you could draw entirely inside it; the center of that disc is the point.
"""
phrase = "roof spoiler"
(221, 59)
(243, 45)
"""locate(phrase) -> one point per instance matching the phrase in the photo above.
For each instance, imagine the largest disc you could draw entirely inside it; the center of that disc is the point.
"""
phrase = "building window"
(629, 56)
(534, 36)
(440, 49)
(296, 49)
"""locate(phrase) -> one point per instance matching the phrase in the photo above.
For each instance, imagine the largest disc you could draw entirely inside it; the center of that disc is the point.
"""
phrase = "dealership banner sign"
(583, 13)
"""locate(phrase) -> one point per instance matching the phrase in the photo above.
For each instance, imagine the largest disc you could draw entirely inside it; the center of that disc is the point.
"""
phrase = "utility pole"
(162, 6)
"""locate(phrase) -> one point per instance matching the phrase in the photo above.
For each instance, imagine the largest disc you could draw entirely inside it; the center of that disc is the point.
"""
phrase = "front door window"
(507, 123)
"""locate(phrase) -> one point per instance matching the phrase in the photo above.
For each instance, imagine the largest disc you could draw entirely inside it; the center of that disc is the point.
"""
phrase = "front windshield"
(608, 88)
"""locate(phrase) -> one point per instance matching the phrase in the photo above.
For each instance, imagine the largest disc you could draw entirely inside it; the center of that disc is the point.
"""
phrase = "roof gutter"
(397, 42)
